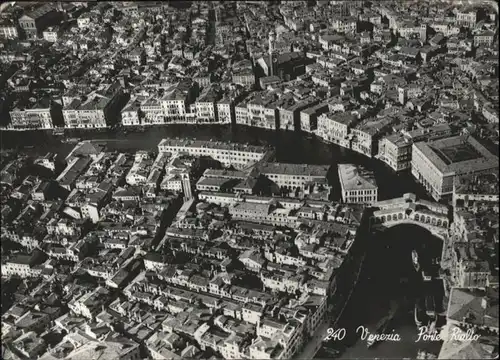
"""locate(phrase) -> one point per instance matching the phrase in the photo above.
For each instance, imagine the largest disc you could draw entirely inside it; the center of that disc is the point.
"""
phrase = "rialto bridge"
(408, 210)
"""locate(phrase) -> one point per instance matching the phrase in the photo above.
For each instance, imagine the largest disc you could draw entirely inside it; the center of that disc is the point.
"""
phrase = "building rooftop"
(474, 306)
(355, 177)
(212, 181)
(398, 139)
(342, 118)
(22, 259)
(464, 350)
(40, 11)
(458, 154)
(213, 145)
(294, 169)
(251, 207)
(225, 173)
(484, 184)
(73, 171)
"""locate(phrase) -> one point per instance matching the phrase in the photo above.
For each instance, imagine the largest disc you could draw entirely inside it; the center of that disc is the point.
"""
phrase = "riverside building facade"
(435, 164)
(358, 185)
(228, 154)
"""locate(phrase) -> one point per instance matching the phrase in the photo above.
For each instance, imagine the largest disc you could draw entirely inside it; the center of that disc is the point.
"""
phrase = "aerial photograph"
(249, 180)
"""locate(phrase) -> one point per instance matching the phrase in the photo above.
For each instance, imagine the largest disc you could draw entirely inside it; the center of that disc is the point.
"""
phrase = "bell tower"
(271, 38)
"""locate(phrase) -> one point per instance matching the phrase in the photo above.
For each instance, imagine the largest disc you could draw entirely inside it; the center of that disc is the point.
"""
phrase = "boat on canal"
(414, 257)
(426, 276)
(430, 305)
(71, 141)
(419, 314)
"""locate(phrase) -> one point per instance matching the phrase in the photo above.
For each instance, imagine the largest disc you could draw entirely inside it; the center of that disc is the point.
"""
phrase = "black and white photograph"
(226, 180)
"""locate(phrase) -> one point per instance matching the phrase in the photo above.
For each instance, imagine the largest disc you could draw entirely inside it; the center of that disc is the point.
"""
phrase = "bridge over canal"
(409, 210)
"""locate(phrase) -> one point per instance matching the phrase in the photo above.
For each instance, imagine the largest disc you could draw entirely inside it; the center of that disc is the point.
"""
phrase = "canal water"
(388, 276)
(293, 147)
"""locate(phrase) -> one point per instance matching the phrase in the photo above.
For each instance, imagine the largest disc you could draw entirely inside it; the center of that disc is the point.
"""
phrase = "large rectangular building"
(395, 151)
(32, 23)
(175, 104)
(225, 110)
(296, 177)
(335, 128)
(287, 66)
(289, 111)
(358, 185)
(261, 111)
(309, 117)
(237, 155)
(35, 115)
(23, 265)
(436, 163)
(205, 107)
(98, 110)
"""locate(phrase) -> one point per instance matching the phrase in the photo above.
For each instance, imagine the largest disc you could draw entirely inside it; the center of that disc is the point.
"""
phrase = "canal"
(293, 147)
(389, 278)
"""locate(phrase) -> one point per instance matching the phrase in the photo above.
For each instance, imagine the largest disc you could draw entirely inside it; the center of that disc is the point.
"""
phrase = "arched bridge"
(409, 210)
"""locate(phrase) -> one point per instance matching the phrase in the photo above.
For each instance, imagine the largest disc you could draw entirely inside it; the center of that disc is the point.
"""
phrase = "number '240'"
(335, 334)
